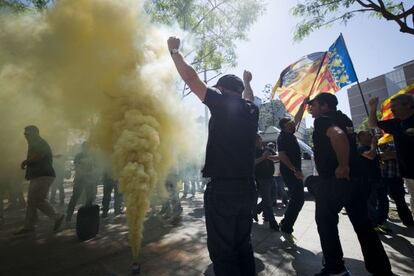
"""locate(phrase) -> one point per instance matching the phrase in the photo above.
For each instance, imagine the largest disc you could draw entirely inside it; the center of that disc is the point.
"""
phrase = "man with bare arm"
(230, 155)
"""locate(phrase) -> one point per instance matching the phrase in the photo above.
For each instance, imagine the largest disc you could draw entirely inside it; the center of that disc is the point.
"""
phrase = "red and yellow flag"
(386, 113)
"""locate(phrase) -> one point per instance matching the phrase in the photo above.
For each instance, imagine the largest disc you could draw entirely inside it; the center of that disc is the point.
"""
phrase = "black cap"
(328, 98)
(231, 82)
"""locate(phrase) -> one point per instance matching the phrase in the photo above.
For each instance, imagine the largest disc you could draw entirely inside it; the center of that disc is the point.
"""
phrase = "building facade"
(382, 86)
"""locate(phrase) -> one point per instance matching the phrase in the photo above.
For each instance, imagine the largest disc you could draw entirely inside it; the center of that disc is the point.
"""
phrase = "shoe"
(58, 223)
(325, 272)
(380, 231)
(24, 231)
(289, 237)
(385, 228)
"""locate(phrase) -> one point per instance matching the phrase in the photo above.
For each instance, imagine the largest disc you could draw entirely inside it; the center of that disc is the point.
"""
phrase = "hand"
(373, 103)
(374, 141)
(23, 165)
(247, 76)
(342, 172)
(173, 43)
(299, 175)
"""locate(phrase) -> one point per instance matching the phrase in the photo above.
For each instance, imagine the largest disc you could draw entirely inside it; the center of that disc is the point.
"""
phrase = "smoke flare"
(98, 66)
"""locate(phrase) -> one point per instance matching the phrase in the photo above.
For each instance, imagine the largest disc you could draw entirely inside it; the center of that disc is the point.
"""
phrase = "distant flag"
(325, 71)
(386, 113)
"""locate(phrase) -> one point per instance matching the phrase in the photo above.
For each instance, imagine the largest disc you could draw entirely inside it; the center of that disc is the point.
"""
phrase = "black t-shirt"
(403, 133)
(231, 138)
(287, 143)
(266, 168)
(42, 167)
(370, 167)
(325, 156)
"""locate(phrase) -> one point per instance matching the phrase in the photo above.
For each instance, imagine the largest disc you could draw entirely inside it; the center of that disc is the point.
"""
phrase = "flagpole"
(357, 80)
(313, 84)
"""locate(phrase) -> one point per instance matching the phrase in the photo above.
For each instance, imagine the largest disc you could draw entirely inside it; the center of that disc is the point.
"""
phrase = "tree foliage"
(24, 5)
(213, 26)
(318, 13)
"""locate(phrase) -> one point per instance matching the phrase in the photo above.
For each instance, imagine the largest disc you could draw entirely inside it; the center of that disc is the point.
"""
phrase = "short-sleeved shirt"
(43, 166)
(232, 132)
(288, 143)
(403, 133)
(325, 156)
(370, 167)
(266, 168)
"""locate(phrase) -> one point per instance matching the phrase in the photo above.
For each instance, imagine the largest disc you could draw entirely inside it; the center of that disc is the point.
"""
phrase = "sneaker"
(380, 231)
(24, 231)
(385, 228)
(325, 272)
(58, 223)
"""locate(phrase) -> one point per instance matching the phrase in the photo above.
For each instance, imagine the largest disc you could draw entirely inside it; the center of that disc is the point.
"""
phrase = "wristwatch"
(174, 51)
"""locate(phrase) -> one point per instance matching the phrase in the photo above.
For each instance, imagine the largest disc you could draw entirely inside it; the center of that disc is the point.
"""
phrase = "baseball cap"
(327, 98)
(231, 82)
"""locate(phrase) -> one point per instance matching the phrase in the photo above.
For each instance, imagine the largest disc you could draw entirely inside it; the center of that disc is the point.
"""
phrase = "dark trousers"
(109, 186)
(265, 186)
(330, 196)
(397, 192)
(228, 209)
(297, 198)
(278, 190)
(378, 204)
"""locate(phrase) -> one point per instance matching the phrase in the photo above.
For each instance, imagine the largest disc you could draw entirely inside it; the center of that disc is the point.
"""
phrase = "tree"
(24, 5)
(271, 111)
(213, 27)
(319, 13)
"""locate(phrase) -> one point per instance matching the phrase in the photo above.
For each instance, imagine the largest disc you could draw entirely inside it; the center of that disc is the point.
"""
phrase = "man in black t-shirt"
(263, 174)
(291, 171)
(402, 129)
(230, 155)
(40, 173)
(338, 186)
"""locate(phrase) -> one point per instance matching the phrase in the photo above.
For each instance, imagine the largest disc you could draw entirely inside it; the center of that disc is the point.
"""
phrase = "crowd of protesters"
(354, 172)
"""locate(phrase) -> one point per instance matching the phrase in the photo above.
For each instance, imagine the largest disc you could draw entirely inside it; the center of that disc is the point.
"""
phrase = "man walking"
(40, 173)
(339, 185)
(264, 178)
(230, 155)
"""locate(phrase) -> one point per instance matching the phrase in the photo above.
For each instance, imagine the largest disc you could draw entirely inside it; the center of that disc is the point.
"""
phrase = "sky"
(375, 47)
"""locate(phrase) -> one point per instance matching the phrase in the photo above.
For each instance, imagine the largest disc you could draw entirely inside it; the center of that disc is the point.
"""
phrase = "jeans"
(110, 185)
(228, 209)
(297, 198)
(265, 190)
(378, 204)
(397, 192)
(278, 190)
(330, 196)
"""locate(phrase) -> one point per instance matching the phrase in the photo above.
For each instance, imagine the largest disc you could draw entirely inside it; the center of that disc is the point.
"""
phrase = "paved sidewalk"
(181, 250)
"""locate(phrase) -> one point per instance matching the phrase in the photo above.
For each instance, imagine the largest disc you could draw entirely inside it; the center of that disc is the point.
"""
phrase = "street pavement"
(180, 250)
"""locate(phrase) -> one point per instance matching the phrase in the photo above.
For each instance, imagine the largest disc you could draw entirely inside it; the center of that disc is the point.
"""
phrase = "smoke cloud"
(96, 66)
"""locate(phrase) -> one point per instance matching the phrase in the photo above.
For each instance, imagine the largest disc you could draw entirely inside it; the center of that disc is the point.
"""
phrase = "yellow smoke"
(97, 66)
